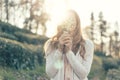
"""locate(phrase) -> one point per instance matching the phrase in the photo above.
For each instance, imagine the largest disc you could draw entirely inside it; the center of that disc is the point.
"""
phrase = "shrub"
(8, 28)
(22, 35)
(16, 55)
(113, 74)
(8, 36)
(30, 38)
(118, 62)
(96, 69)
(12, 74)
(100, 54)
(109, 63)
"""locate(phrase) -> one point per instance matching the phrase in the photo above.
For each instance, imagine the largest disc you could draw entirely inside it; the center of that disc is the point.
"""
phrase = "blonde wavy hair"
(77, 37)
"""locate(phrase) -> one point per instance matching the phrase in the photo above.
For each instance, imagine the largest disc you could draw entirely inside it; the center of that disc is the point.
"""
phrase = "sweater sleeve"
(82, 69)
(53, 60)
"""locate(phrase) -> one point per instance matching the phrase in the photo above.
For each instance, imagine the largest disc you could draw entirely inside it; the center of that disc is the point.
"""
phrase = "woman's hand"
(65, 42)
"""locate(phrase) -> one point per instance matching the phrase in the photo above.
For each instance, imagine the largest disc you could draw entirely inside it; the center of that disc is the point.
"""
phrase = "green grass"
(97, 72)
(12, 74)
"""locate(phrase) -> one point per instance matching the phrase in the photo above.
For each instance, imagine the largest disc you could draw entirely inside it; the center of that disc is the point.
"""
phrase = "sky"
(110, 9)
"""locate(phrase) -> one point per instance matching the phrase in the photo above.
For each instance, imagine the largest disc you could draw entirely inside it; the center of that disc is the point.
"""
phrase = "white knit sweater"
(80, 67)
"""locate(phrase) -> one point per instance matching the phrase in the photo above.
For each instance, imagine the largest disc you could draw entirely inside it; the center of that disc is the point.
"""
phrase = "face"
(69, 23)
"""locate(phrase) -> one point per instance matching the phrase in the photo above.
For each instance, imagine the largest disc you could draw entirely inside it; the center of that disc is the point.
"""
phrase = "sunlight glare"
(84, 8)
(51, 29)
(56, 10)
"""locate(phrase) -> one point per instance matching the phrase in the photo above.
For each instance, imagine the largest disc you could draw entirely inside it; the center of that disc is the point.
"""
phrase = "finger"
(65, 34)
(68, 41)
(67, 38)
(68, 44)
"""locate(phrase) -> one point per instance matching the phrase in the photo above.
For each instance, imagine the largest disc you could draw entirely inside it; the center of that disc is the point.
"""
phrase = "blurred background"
(25, 25)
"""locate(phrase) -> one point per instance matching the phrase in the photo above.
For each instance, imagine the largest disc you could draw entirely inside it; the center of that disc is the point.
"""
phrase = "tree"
(114, 43)
(89, 30)
(43, 19)
(113, 74)
(37, 16)
(102, 28)
(92, 26)
(7, 9)
(1, 4)
(12, 4)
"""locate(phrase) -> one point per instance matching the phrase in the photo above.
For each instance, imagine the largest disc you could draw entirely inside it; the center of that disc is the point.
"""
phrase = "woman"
(68, 55)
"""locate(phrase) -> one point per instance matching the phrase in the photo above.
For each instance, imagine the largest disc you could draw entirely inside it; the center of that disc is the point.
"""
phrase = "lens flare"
(58, 64)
